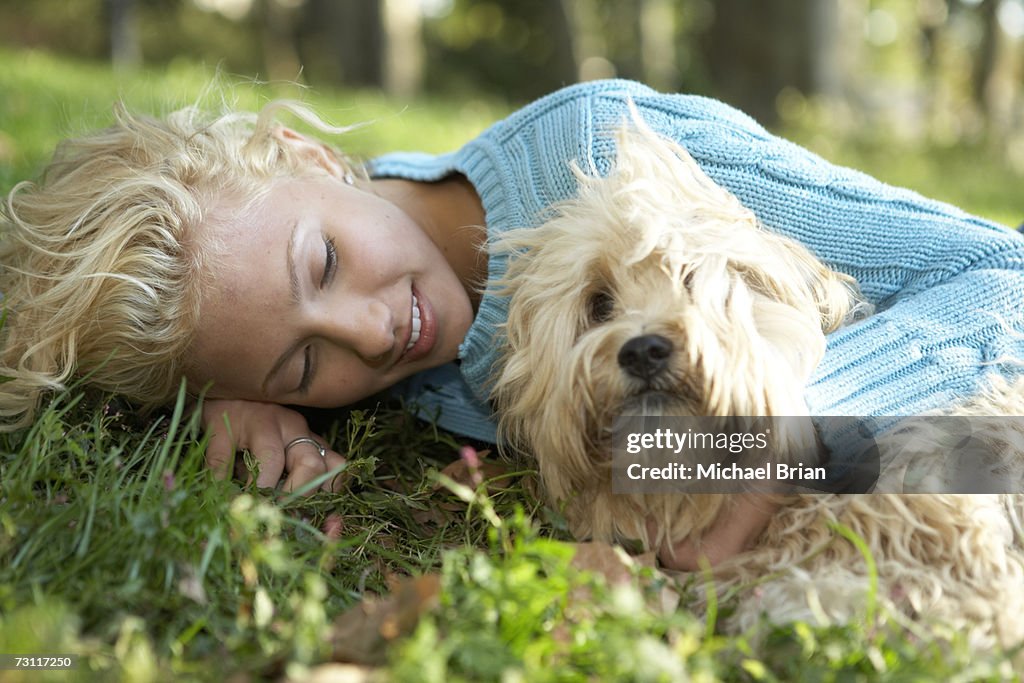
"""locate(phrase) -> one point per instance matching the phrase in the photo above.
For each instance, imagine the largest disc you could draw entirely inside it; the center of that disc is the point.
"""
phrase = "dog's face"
(654, 292)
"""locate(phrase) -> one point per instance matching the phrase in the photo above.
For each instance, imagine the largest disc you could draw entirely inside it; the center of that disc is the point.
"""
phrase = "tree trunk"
(590, 49)
(403, 53)
(357, 36)
(657, 44)
(125, 50)
(277, 31)
(985, 64)
(563, 65)
(754, 49)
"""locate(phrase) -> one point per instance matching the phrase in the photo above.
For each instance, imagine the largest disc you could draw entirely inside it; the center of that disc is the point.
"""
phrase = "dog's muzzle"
(646, 356)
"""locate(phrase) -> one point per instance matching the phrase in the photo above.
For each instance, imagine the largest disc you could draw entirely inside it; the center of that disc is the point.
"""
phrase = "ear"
(313, 151)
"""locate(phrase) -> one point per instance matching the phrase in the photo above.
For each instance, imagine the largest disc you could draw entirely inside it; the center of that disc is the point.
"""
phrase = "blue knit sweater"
(948, 287)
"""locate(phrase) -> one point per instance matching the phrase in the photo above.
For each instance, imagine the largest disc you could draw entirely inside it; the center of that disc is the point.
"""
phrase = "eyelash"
(307, 370)
(330, 262)
(330, 267)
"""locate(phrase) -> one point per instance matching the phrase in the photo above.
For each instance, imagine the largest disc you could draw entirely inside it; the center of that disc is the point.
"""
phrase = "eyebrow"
(293, 271)
(296, 297)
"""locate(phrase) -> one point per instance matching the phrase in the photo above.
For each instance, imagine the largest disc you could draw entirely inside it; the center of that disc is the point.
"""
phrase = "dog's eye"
(601, 306)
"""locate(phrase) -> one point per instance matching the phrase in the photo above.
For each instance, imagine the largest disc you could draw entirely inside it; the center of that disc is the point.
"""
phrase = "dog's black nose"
(645, 356)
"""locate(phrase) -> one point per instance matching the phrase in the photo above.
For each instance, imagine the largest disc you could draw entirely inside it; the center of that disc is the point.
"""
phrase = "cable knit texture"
(947, 286)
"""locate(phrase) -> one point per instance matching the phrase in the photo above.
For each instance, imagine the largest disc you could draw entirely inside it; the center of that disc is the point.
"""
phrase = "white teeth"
(415, 336)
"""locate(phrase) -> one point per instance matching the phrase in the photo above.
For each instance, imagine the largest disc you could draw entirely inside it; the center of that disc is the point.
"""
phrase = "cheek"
(377, 254)
(343, 380)
(236, 347)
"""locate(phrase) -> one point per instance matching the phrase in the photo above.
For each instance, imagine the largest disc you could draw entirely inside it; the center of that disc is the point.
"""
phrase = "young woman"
(247, 258)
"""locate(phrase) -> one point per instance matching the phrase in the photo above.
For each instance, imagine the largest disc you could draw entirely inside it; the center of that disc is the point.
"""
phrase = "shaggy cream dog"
(655, 292)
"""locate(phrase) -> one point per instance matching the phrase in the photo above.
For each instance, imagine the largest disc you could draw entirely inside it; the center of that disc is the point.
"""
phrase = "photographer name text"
(727, 472)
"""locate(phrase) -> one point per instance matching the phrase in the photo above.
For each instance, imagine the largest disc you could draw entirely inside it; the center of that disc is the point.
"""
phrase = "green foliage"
(130, 533)
(122, 547)
(519, 610)
(522, 612)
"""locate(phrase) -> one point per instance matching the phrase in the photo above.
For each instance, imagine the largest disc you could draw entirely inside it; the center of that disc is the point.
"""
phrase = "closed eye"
(330, 262)
(307, 371)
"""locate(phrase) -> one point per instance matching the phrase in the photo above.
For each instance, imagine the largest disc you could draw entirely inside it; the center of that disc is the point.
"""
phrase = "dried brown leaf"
(362, 634)
(603, 559)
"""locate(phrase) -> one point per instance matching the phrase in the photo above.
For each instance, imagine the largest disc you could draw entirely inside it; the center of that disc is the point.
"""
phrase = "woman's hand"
(733, 531)
(265, 429)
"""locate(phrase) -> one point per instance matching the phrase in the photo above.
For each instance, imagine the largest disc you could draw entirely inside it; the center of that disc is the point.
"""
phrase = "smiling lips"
(416, 323)
(422, 330)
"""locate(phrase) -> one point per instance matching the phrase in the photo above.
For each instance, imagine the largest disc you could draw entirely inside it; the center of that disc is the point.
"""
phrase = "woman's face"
(311, 299)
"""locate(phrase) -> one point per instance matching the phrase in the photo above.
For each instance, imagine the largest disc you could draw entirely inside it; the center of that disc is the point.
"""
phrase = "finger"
(334, 461)
(220, 451)
(304, 464)
(269, 453)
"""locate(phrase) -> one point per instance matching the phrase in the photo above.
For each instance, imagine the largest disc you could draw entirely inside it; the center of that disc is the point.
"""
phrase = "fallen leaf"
(603, 559)
(440, 512)
(362, 634)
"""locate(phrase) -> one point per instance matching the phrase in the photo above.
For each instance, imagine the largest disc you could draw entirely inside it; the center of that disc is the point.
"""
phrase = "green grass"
(117, 544)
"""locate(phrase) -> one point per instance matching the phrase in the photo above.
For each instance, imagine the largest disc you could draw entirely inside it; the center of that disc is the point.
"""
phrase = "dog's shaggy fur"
(730, 320)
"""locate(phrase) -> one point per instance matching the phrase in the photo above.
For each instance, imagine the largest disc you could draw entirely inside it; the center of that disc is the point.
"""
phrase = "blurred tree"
(519, 48)
(368, 43)
(951, 69)
(754, 49)
(277, 20)
(125, 49)
(356, 27)
(985, 62)
(74, 27)
(403, 47)
(628, 38)
(657, 43)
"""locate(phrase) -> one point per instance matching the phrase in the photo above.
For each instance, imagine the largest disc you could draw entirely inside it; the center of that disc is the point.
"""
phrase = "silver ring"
(306, 439)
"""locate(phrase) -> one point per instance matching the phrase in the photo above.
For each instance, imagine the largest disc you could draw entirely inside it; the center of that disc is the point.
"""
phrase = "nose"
(645, 356)
(364, 326)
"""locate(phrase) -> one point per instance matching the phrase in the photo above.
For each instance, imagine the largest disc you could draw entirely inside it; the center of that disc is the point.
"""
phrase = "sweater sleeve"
(893, 241)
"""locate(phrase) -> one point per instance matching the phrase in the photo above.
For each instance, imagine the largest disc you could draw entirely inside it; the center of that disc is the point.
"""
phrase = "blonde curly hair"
(101, 265)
